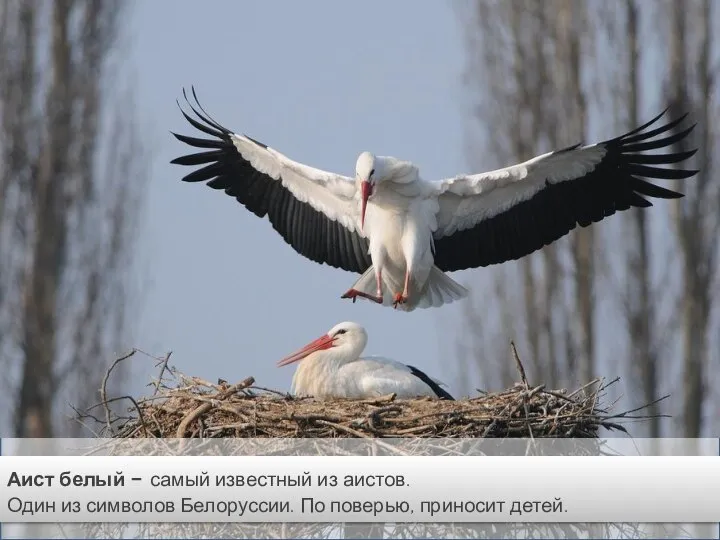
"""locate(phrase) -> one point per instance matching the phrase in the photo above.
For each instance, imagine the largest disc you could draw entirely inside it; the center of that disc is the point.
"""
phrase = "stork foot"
(354, 294)
(399, 298)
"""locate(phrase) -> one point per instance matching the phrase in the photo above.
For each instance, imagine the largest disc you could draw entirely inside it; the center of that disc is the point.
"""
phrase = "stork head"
(346, 341)
(367, 176)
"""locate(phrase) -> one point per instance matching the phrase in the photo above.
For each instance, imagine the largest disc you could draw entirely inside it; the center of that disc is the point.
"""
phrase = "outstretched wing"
(506, 214)
(315, 211)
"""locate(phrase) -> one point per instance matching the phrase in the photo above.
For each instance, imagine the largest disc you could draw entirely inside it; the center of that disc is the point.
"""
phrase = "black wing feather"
(615, 184)
(309, 232)
(435, 387)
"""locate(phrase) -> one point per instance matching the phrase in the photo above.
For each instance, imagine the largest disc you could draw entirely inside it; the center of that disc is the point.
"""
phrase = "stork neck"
(322, 364)
(317, 371)
(329, 360)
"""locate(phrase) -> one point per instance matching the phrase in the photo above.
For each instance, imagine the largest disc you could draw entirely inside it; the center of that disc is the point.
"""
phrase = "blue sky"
(320, 83)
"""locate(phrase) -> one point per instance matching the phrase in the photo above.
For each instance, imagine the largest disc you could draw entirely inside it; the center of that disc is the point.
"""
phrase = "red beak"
(367, 189)
(320, 344)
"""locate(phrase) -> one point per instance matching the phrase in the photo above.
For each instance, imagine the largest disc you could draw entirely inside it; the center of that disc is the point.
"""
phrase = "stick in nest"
(519, 366)
(205, 407)
(163, 366)
(103, 388)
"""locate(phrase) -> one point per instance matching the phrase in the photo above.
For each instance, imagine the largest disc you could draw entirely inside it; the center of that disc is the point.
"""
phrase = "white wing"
(485, 195)
(501, 215)
(315, 211)
(377, 376)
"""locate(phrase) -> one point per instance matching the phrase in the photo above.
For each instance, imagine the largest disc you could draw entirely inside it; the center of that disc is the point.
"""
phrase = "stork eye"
(341, 331)
(372, 172)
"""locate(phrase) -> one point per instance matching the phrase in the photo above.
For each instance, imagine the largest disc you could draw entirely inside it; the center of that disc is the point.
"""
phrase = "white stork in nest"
(331, 367)
(402, 233)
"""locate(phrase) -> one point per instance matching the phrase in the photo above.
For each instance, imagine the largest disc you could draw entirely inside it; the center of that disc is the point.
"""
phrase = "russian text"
(263, 480)
(239, 507)
(93, 480)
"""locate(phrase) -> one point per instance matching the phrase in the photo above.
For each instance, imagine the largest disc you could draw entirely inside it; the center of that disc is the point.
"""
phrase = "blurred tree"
(72, 176)
(554, 73)
(691, 85)
(639, 307)
(527, 68)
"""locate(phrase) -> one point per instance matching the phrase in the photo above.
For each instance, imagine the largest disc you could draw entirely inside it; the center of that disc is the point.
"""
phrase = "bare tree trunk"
(519, 146)
(639, 306)
(697, 235)
(47, 252)
(552, 303)
(570, 21)
(529, 118)
(66, 226)
(17, 50)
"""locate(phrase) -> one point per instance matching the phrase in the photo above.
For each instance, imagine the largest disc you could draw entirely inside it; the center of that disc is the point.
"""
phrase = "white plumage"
(402, 233)
(331, 367)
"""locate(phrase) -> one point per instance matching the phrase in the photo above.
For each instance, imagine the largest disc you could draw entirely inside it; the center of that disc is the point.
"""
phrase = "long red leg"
(378, 284)
(354, 294)
(401, 298)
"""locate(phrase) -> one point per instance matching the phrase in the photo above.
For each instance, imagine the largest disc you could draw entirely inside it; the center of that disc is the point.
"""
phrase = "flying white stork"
(402, 232)
(331, 367)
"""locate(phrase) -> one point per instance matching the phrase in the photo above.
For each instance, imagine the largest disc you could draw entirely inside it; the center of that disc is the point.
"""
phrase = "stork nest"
(188, 407)
(182, 406)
